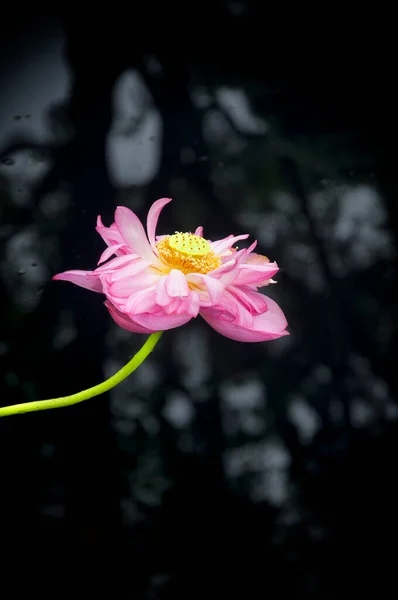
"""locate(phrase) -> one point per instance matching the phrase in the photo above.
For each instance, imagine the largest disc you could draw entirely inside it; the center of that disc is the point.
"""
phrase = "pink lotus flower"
(165, 282)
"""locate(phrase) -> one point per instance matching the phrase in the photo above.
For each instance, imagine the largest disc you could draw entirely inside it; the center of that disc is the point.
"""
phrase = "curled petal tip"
(153, 216)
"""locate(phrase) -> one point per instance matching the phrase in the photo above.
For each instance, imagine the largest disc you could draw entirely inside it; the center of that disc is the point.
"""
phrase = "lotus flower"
(156, 283)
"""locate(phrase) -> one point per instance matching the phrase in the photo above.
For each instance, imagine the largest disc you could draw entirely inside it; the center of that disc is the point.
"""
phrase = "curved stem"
(119, 376)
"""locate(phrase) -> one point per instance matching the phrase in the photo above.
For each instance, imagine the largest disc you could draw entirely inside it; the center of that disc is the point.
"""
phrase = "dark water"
(219, 467)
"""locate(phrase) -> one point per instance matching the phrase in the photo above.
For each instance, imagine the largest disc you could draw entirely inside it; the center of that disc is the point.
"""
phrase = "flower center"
(189, 244)
(187, 252)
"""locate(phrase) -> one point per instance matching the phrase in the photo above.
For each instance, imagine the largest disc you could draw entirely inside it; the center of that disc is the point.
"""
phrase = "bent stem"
(124, 372)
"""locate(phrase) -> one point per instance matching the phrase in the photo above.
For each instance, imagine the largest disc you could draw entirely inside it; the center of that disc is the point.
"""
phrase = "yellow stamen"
(187, 252)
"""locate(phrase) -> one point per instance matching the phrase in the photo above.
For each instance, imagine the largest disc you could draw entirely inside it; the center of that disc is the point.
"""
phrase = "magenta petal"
(84, 279)
(268, 326)
(123, 321)
(153, 217)
(132, 232)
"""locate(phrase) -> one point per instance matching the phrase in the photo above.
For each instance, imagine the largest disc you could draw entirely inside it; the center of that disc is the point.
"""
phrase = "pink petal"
(161, 322)
(153, 216)
(234, 307)
(107, 253)
(226, 267)
(230, 269)
(257, 259)
(162, 297)
(84, 279)
(217, 243)
(255, 274)
(209, 288)
(123, 288)
(115, 263)
(268, 326)
(190, 305)
(123, 321)
(173, 306)
(168, 303)
(132, 232)
(141, 301)
(131, 269)
(220, 246)
(253, 301)
(110, 235)
(251, 248)
(199, 231)
(176, 285)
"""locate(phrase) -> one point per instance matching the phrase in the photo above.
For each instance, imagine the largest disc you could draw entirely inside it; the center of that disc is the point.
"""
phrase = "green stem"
(124, 372)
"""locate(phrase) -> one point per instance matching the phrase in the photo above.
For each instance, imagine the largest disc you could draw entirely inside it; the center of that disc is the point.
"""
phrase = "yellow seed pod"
(189, 244)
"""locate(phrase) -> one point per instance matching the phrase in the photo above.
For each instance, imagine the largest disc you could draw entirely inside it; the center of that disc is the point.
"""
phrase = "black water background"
(113, 491)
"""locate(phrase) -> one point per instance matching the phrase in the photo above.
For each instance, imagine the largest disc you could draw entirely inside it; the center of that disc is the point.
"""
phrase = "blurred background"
(219, 467)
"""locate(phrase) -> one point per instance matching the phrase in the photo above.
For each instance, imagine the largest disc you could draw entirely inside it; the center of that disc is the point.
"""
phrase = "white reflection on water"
(37, 78)
(133, 143)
